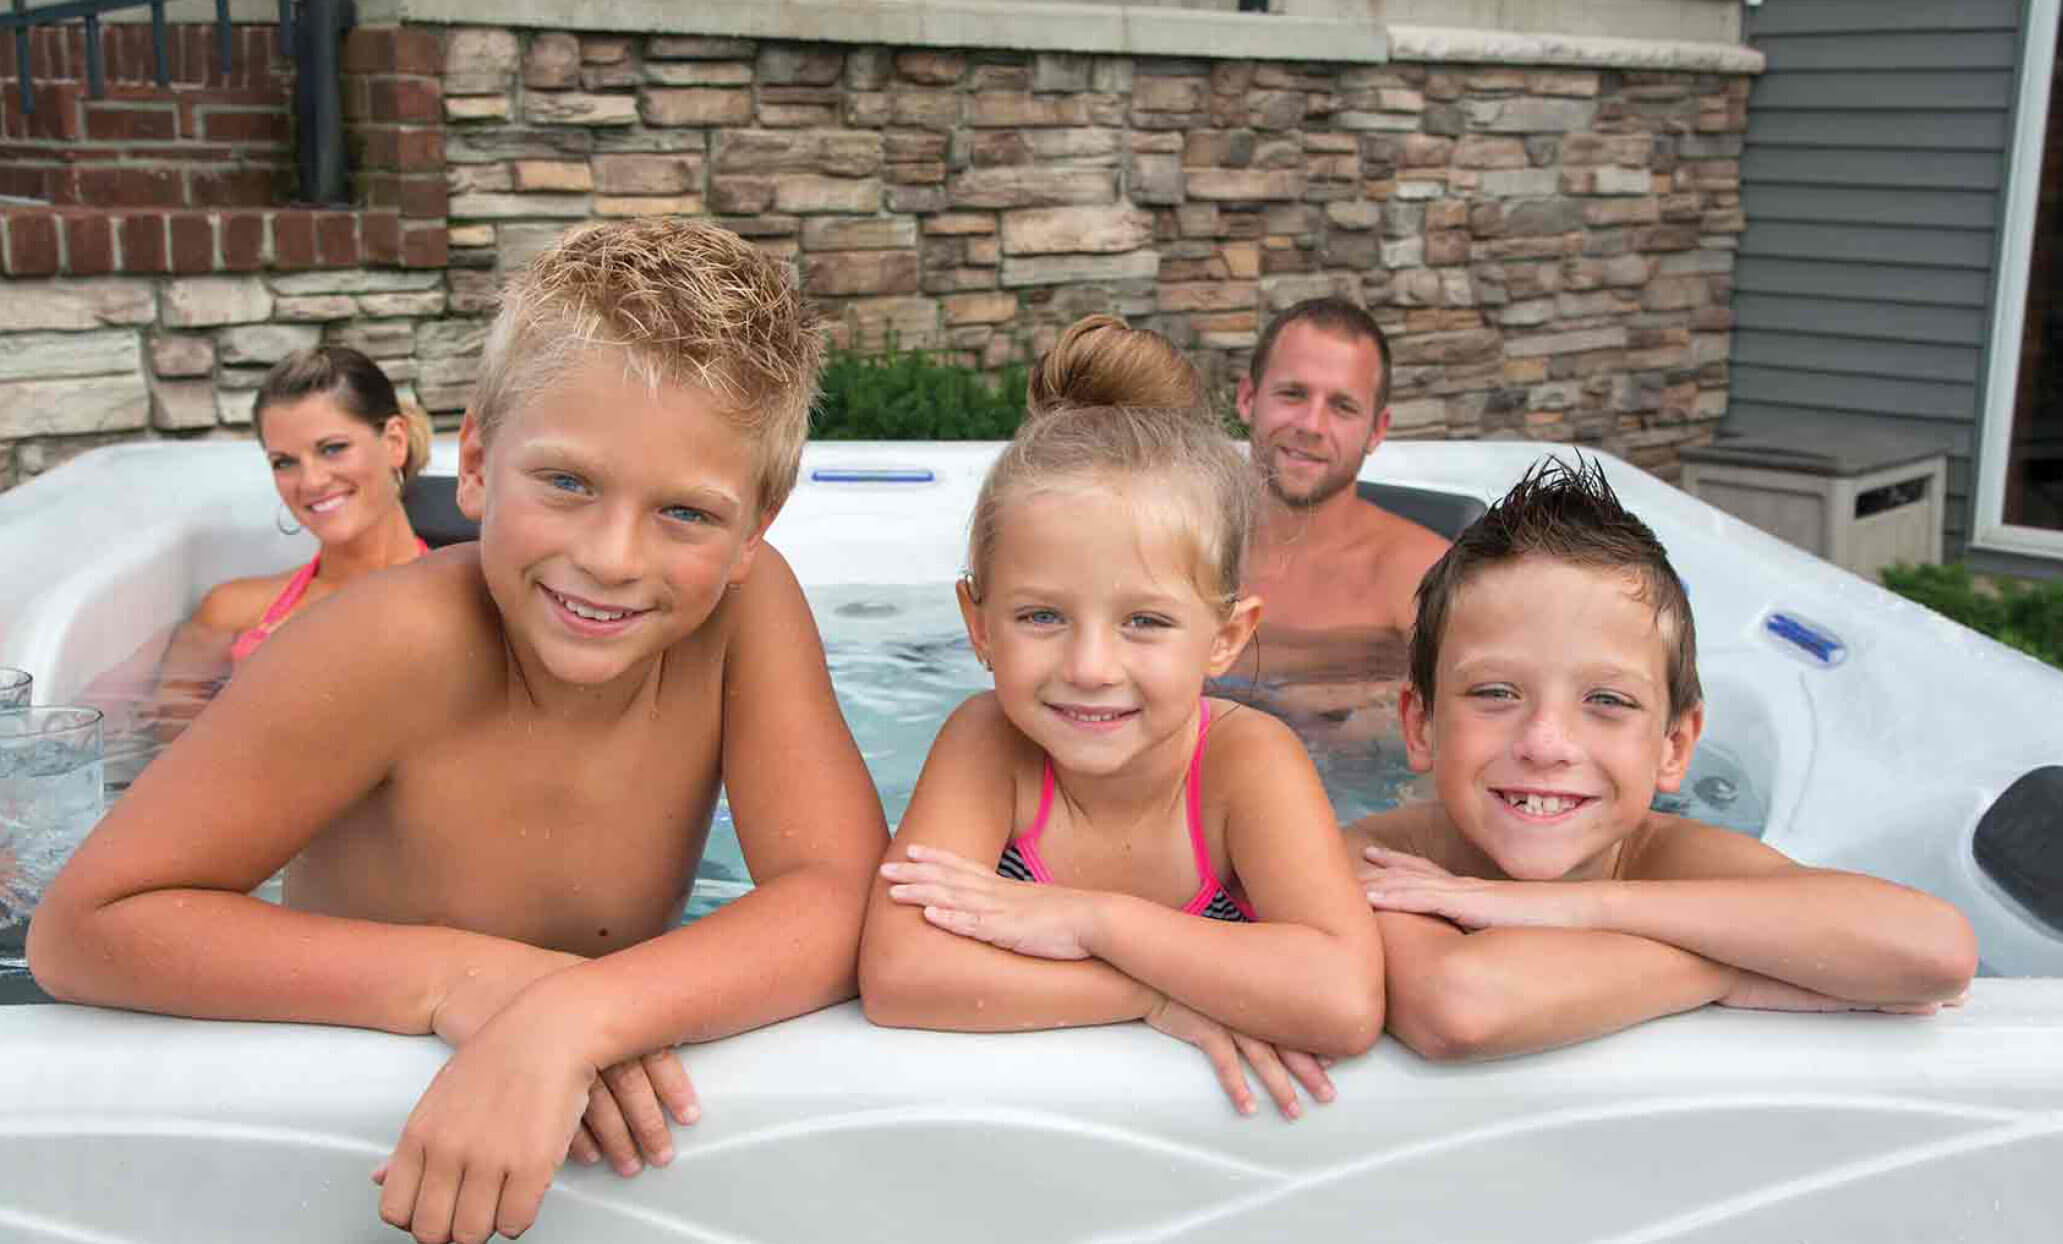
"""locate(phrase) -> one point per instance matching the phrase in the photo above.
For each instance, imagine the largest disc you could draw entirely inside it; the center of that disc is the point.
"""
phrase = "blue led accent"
(1808, 639)
(872, 475)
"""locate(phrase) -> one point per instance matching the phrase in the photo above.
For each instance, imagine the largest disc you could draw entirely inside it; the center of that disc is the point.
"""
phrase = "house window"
(2020, 461)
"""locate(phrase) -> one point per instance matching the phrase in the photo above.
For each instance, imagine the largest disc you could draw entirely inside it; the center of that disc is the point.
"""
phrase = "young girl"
(1095, 841)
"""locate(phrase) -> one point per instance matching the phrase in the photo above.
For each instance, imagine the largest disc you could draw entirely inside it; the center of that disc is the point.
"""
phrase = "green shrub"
(2026, 615)
(907, 395)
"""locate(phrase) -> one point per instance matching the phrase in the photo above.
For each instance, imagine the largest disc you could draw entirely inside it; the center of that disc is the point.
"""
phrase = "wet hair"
(1099, 361)
(1338, 317)
(1097, 429)
(683, 302)
(1570, 514)
(359, 388)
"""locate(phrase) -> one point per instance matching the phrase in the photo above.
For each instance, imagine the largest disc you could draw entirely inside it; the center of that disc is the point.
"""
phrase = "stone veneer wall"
(1550, 248)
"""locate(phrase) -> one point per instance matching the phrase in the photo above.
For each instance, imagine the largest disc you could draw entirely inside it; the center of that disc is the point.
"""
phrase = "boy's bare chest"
(577, 839)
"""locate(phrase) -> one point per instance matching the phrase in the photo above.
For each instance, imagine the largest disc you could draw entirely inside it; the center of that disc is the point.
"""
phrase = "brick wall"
(1551, 249)
(199, 176)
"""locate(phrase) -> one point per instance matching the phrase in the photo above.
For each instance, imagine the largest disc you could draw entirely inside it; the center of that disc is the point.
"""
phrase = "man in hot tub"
(1336, 571)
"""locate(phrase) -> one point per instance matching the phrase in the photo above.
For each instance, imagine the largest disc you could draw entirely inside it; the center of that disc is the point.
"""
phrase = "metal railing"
(23, 19)
(313, 44)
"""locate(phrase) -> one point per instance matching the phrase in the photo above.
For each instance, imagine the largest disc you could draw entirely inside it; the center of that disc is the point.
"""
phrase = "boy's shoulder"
(1676, 848)
(1420, 829)
(430, 622)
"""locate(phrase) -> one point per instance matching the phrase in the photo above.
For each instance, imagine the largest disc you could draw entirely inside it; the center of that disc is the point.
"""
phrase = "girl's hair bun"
(1099, 361)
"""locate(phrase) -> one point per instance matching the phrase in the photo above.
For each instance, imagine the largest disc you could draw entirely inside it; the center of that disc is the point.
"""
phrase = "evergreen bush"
(908, 395)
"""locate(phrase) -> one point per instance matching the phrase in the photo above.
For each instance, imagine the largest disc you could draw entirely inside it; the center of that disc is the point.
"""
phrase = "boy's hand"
(962, 897)
(1224, 1047)
(1399, 881)
(479, 1148)
(624, 1121)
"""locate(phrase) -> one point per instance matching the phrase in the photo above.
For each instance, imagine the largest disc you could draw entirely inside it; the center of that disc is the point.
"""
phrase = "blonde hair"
(1116, 408)
(1099, 361)
(358, 387)
(686, 303)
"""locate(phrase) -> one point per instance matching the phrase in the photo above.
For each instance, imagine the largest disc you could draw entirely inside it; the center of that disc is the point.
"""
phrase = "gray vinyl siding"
(1872, 178)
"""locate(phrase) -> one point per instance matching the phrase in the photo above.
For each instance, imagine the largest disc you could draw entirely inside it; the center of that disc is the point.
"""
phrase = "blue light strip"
(872, 475)
(1815, 643)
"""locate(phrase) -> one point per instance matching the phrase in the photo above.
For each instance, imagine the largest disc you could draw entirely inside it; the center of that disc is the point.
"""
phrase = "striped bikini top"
(1020, 860)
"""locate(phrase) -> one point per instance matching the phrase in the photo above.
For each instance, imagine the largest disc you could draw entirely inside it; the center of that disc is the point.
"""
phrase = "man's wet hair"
(1334, 315)
(1570, 514)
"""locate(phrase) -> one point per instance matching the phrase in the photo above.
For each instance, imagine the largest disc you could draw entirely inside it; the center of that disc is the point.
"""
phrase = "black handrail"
(23, 19)
(313, 43)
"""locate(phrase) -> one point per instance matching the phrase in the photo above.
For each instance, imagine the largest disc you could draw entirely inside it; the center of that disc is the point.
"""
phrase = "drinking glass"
(51, 795)
(15, 686)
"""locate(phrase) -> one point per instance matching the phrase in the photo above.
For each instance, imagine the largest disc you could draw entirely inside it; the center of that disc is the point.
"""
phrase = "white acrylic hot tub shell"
(1711, 1126)
(1708, 1127)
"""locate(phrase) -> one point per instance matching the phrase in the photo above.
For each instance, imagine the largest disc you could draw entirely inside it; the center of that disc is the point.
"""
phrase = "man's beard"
(1323, 490)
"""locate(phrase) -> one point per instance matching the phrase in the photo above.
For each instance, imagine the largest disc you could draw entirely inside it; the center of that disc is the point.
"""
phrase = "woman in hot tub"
(342, 448)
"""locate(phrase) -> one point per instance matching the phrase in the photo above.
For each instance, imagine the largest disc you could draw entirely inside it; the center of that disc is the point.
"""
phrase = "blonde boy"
(1553, 690)
(491, 772)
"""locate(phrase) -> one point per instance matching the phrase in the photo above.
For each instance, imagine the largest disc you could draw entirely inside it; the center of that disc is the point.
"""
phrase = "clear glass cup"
(15, 686)
(52, 793)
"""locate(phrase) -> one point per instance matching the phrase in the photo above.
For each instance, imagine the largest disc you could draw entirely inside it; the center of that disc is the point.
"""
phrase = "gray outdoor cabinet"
(1861, 502)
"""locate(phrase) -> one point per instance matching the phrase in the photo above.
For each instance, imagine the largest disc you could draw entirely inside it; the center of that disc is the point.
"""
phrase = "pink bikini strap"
(1196, 842)
(296, 587)
(1027, 843)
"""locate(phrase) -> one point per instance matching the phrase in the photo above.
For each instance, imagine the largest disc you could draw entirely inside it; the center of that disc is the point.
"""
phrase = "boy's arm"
(153, 912)
(915, 976)
(1514, 991)
(1455, 995)
(1740, 901)
(1732, 899)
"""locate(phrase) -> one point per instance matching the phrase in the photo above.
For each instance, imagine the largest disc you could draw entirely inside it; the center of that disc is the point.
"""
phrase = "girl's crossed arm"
(1308, 977)
(915, 976)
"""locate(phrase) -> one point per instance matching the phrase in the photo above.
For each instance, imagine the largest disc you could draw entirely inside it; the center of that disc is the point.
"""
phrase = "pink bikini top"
(1020, 859)
(297, 587)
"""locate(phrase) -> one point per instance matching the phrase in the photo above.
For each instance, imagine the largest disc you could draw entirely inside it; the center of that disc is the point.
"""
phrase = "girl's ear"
(977, 624)
(1417, 716)
(1233, 634)
(1678, 742)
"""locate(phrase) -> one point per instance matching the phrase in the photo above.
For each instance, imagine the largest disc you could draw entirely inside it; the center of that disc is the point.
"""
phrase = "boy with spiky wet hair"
(490, 773)
(1553, 690)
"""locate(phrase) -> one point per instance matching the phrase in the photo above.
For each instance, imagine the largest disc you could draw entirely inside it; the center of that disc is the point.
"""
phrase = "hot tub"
(1876, 735)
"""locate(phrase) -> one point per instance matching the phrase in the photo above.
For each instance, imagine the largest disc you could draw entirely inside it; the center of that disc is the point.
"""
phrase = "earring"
(281, 520)
(400, 482)
(983, 657)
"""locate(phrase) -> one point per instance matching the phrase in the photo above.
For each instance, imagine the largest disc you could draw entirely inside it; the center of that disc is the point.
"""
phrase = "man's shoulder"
(1396, 544)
